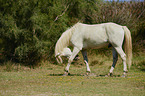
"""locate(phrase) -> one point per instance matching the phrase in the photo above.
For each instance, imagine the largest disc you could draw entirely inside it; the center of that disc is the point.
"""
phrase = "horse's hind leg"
(115, 58)
(75, 52)
(123, 56)
(84, 53)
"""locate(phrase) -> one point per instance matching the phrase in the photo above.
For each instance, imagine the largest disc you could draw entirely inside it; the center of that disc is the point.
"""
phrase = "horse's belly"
(94, 45)
(95, 40)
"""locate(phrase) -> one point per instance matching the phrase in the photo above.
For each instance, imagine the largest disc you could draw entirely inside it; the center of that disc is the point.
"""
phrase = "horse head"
(66, 53)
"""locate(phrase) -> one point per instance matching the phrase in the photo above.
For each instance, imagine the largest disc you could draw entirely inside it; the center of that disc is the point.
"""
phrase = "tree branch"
(61, 14)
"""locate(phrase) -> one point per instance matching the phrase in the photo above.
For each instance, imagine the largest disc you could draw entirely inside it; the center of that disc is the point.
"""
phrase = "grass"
(47, 79)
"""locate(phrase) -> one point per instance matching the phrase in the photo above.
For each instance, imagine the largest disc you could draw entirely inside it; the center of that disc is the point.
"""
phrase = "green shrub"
(30, 28)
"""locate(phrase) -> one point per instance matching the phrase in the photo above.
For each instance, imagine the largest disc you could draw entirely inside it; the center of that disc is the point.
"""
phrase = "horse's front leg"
(84, 53)
(74, 53)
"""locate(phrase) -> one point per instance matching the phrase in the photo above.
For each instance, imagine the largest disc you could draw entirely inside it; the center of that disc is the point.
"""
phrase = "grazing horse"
(83, 36)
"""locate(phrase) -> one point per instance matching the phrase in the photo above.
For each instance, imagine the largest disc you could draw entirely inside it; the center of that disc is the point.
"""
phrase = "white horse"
(83, 36)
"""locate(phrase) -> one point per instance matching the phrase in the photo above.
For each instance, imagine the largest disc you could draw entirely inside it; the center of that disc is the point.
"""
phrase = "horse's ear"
(59, 59)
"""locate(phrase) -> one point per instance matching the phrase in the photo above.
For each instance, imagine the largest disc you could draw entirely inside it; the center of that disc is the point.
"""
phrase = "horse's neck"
(63, 41)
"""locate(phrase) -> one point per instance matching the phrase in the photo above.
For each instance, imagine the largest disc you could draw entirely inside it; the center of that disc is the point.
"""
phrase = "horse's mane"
(64, 40)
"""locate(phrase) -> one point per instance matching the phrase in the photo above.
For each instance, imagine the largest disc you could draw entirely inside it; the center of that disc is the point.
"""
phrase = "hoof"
(125, 71)
(123, 76)
(66, 74)
(110, 74)
(88, 72)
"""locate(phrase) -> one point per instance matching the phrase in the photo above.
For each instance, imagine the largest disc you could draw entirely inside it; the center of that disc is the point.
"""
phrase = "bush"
(30, 28)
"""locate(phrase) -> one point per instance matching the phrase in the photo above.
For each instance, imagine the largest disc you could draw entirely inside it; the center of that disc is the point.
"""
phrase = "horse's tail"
(128, 45)
(62, 43)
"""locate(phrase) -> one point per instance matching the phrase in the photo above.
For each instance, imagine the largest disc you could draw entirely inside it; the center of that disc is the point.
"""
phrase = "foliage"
(27, 31)
(30, 28)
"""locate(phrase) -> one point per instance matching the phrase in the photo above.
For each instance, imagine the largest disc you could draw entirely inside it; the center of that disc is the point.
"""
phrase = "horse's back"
(96, 35)
(89, 35)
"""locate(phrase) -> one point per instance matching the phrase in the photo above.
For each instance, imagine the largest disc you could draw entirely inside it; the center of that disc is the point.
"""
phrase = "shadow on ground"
(91, 74)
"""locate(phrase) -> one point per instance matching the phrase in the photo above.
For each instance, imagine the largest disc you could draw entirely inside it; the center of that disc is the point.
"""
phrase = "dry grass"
(47, 79)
